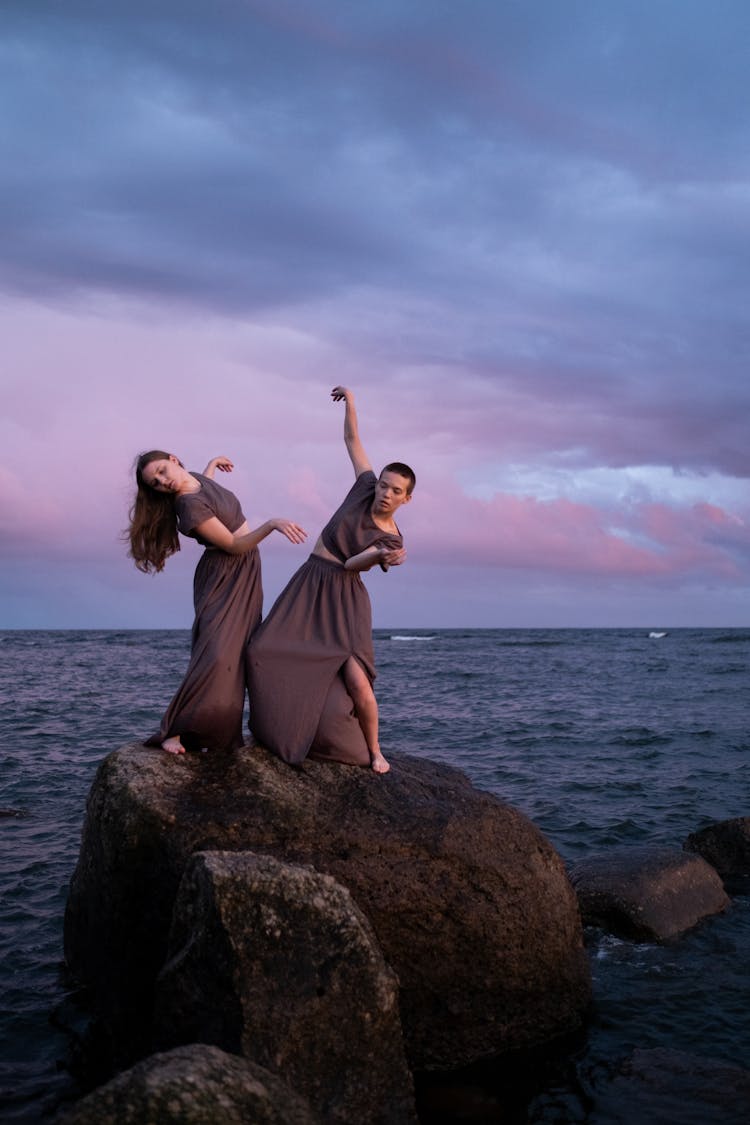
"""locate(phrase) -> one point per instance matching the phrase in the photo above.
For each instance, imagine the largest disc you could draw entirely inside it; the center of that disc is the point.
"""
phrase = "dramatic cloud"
(519, 230)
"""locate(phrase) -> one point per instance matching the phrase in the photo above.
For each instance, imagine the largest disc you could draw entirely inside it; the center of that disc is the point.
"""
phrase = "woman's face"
(166, 475)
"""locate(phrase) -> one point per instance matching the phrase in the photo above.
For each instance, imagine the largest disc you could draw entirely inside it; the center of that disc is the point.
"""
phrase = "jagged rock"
(726, 846)
(194, 1085)
(276, 962)
(663, 1087)
(647, 893)
(469, 902)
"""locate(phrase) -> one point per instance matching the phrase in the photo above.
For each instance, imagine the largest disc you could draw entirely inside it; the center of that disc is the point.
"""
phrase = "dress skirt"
(207, 708)
(299, 704)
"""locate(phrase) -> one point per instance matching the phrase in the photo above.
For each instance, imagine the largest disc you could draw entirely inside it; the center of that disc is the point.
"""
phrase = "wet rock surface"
(469, 903)
(726, 846)
(276, 962)
(647, 893)
(195, 1085)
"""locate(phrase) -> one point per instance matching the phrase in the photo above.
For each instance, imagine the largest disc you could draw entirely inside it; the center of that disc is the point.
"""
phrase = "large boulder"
(275, 962)
(195, 1085)
(470, 903)
(647, 893)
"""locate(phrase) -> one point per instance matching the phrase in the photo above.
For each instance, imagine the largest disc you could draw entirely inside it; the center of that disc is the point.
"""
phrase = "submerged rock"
(647, 893)
(470, 904)
(195, 1085)
(663, 1086)
(276, 962)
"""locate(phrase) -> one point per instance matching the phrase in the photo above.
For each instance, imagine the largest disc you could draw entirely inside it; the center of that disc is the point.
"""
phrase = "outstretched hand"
(339, 393)
(293, 532)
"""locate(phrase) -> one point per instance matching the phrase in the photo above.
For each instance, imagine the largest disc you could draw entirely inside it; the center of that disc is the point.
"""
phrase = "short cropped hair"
(403, 471)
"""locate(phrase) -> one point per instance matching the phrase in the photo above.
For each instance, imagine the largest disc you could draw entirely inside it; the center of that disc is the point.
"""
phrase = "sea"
(603, 737)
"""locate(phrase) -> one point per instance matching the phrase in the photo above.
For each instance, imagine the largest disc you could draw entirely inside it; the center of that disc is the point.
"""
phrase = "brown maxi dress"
(228, 599)
(299, 704)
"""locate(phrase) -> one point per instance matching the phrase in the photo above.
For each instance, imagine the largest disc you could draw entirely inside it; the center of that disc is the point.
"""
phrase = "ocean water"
(602, 737)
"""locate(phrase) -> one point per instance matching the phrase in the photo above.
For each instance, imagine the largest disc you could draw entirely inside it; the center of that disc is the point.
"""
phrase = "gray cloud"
(554, 196)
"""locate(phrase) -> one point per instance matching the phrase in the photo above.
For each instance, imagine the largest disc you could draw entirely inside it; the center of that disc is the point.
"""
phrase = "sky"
(519, 230)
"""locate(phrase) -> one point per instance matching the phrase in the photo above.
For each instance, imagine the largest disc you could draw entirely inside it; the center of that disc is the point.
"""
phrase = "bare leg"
(173, 745)
(360, 689)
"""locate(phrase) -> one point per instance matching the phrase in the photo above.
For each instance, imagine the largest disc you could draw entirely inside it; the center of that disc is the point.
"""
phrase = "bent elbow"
(237, 547)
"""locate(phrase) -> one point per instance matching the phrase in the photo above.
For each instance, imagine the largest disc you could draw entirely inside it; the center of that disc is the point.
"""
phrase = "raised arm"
(215, 463)
(354, 447)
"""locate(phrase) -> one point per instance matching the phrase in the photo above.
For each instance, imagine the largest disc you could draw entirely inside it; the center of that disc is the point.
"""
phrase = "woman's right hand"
(224, 464)
(392, 556)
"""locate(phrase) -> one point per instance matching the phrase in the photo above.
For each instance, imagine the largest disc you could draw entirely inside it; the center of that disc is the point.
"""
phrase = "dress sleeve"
(191, 511)
(392, 542)
(362, 486)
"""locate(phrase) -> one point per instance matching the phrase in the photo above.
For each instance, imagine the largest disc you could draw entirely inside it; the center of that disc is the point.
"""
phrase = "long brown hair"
(153, 522)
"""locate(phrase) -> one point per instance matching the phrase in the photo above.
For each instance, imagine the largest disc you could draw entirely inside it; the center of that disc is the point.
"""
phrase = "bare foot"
(173, 745)
(379, 763)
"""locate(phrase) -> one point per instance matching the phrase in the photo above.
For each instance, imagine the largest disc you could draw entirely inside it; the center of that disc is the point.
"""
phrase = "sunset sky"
(518, 229)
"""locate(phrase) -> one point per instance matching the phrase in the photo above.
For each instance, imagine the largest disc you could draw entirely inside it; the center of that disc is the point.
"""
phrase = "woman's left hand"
(293, 531)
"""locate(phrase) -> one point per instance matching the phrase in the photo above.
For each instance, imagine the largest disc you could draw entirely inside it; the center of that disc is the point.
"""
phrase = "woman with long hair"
(206, 711)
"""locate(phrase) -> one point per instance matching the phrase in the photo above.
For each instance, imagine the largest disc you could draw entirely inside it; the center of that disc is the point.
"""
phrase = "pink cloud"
(87, 392)
(304, 492)
(28, 516)
(700, 537)
(561, 536)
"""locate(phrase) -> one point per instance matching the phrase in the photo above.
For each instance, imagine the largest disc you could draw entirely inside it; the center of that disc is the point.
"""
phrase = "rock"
(195, 1085)
(726, 846)
(469, 902)
(277, 963)
(647, 893)
(662, 1087)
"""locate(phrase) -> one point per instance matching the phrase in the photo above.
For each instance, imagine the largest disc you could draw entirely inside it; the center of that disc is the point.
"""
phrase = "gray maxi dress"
(299, 704)
(228, 598)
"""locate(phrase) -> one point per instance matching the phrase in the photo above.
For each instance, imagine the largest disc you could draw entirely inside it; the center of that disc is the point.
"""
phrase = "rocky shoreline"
(321, 935)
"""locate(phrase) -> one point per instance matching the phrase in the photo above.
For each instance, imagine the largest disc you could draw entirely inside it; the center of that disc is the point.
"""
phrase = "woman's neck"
(190, 484)
(384, 525)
